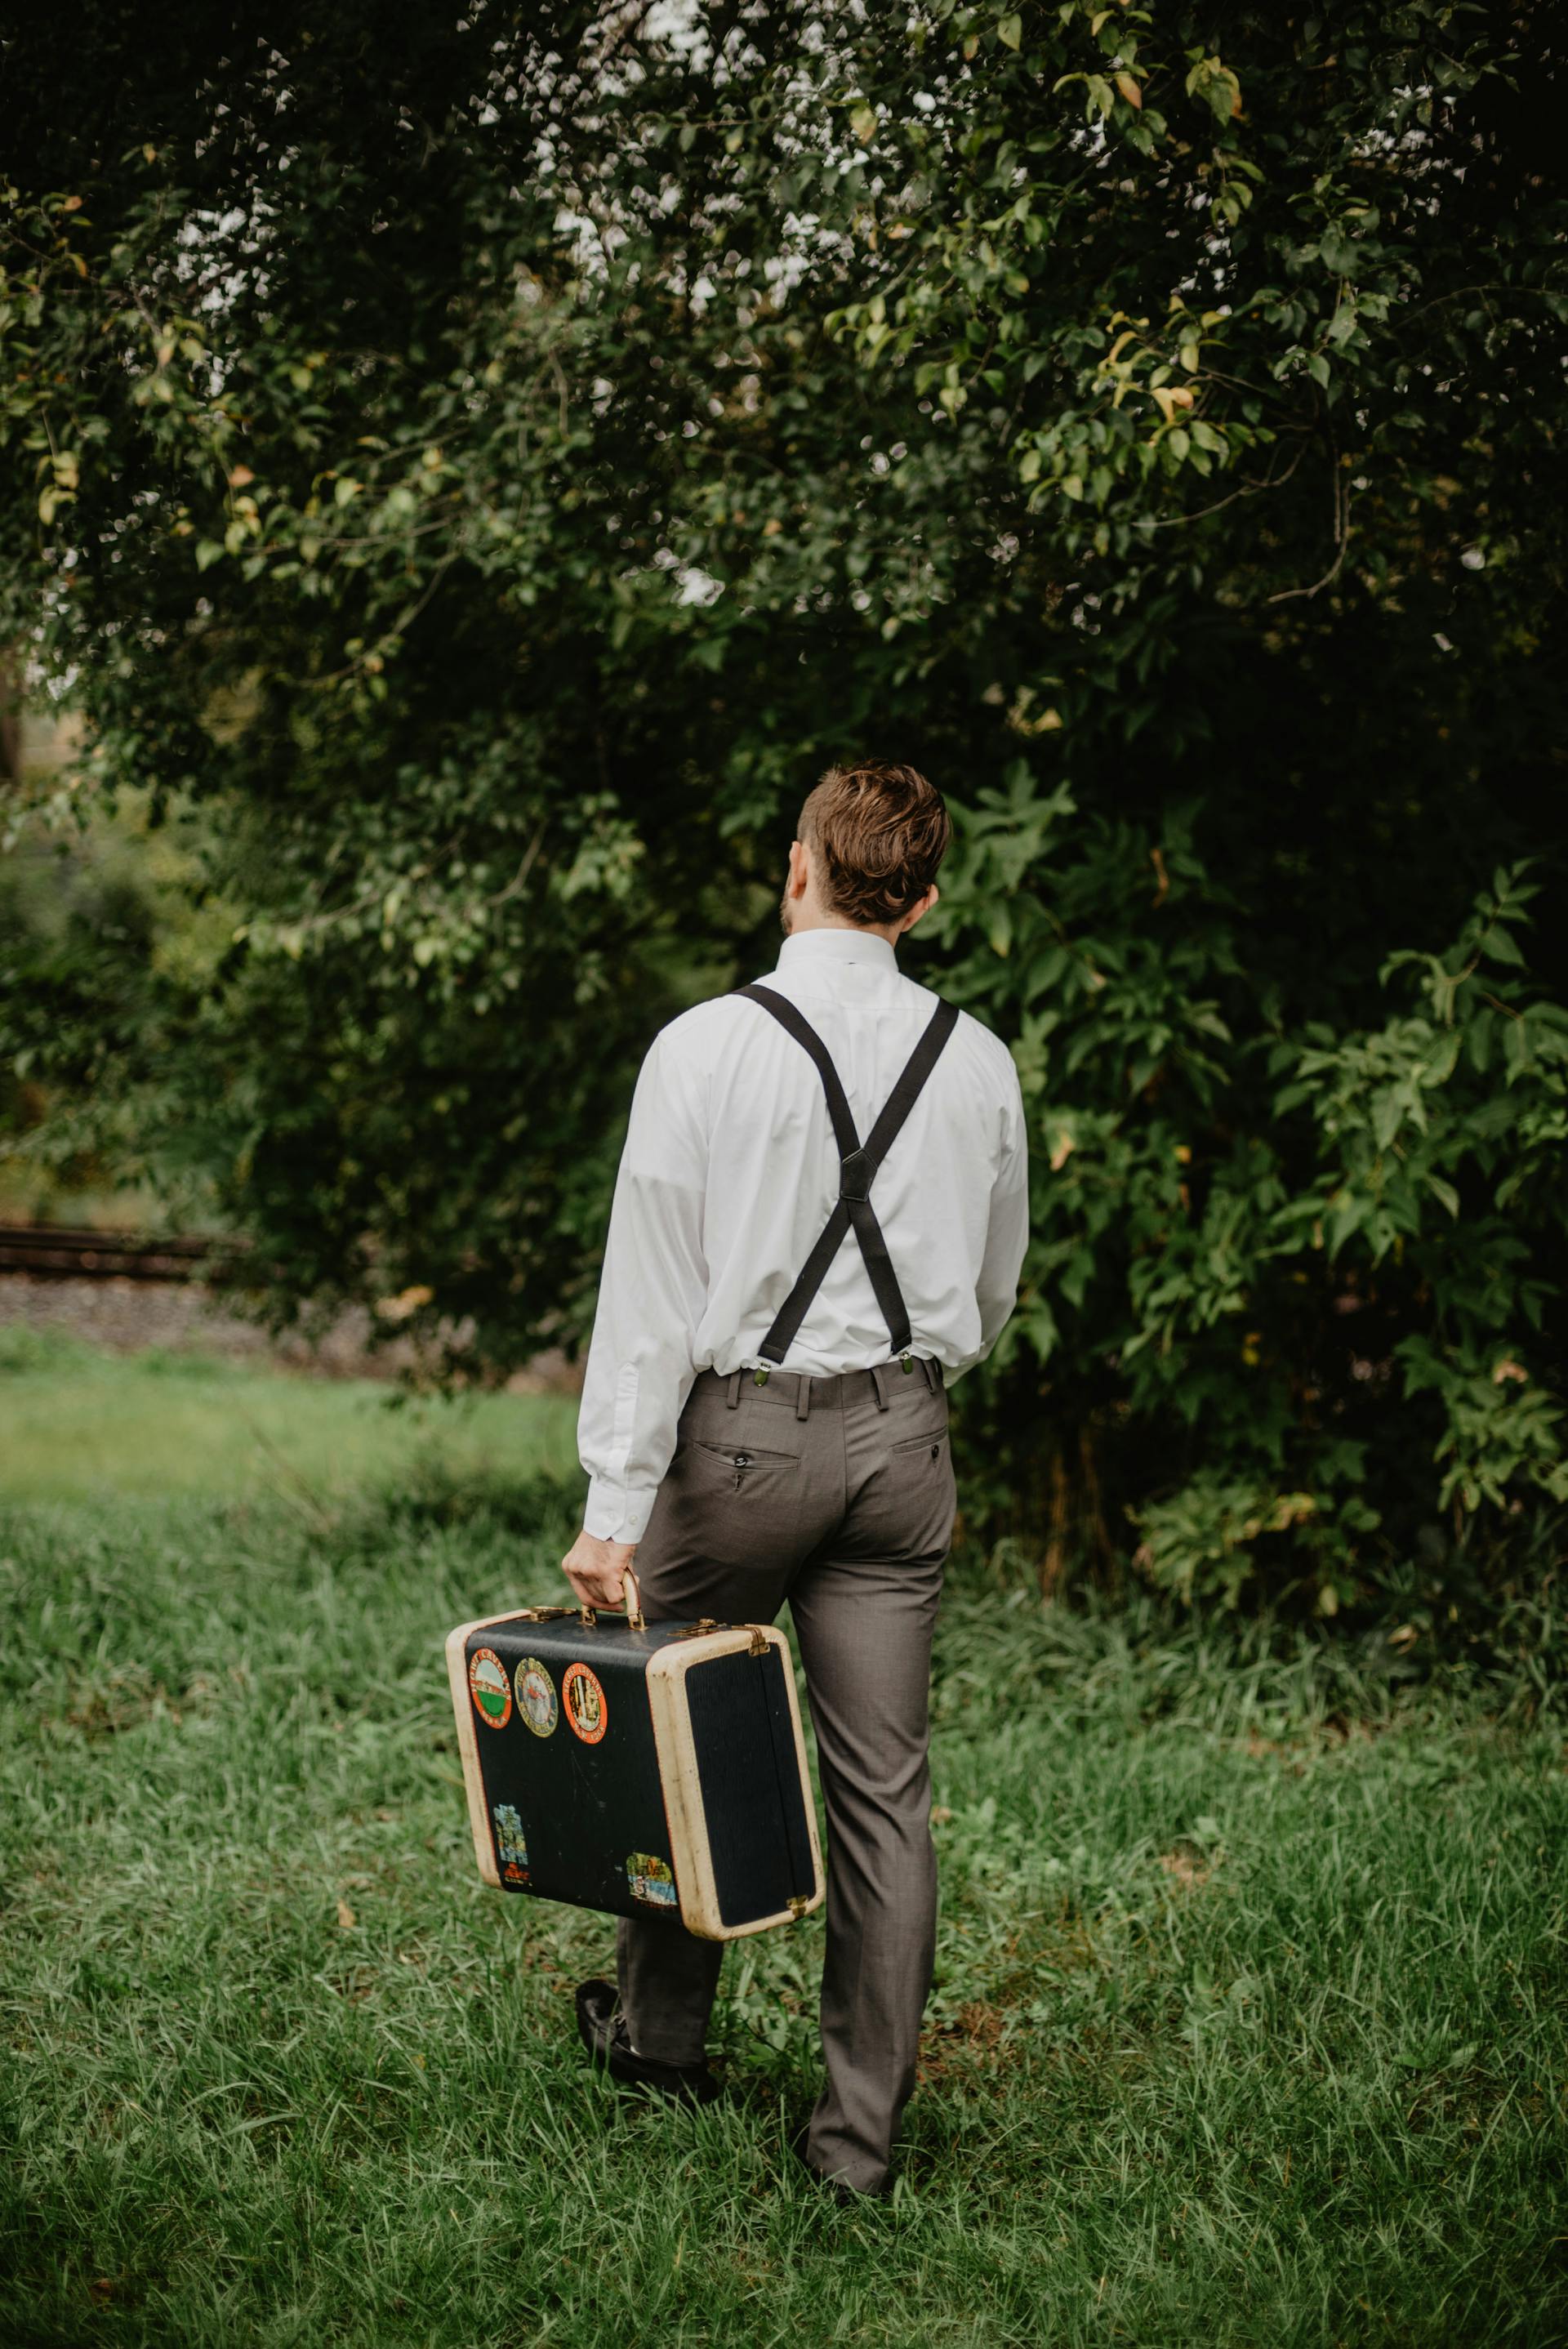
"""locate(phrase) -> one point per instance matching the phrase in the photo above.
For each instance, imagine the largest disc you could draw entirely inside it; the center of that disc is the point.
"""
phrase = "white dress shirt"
(729, 1173)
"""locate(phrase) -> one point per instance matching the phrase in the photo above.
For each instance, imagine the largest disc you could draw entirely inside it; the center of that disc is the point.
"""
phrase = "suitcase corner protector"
(704, 1924)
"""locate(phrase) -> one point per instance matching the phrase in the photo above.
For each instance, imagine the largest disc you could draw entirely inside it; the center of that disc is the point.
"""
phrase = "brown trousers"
(838, 1496)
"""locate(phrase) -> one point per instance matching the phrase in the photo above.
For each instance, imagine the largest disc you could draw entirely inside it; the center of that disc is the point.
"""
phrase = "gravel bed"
(127, 1317)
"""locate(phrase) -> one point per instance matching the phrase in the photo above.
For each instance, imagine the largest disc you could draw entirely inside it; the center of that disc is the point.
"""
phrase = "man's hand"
(596, 1569)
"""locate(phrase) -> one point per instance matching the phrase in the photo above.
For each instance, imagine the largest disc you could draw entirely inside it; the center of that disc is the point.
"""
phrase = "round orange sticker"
(583, 1701)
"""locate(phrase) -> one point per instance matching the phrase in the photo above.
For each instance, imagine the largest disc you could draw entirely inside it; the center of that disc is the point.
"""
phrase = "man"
(818, 1220)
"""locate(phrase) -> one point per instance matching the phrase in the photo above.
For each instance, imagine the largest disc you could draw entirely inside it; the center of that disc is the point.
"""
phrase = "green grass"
(1249, 2026)
(75, 1422)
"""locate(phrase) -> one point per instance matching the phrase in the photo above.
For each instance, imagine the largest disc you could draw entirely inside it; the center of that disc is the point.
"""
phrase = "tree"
(492, 467)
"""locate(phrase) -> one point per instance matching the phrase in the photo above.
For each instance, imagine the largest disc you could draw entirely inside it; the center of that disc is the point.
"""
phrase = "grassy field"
(77, 1424)
(1250, 2023)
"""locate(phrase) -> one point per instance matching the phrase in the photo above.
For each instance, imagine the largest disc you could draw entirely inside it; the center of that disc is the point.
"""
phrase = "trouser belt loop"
(929, 1367)
(875, 1374)
(802, 1396)
(732, 1392)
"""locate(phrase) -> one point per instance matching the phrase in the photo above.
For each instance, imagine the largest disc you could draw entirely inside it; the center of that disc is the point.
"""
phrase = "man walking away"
(819, 1221)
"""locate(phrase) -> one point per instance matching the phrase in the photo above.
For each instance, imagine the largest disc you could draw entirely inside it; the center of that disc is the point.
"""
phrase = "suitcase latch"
(760, 1643)
(798, 1904)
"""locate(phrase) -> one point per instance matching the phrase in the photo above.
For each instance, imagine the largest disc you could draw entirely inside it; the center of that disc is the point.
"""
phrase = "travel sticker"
(652, 1880)
(490, 1688)
(510, 1844)
(583, 1699)
(536, 1697)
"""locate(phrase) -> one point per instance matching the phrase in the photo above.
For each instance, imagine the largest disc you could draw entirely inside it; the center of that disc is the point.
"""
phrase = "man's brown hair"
(878, 833)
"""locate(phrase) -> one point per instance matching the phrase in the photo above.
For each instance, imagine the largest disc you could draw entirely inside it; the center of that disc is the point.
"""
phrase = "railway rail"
(51, 1251)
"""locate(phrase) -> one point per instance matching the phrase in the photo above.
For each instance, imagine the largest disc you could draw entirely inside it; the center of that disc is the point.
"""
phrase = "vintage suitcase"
(648, 1769)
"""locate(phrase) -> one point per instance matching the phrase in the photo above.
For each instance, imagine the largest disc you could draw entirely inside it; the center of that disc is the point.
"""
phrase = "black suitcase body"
(656, 1770)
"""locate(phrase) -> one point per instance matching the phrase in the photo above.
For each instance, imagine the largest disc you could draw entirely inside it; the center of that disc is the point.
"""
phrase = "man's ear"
(918, 911)
(799, 869)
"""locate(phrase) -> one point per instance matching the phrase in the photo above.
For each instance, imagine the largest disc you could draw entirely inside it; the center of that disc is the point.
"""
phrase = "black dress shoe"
(837, 2189)
(605, 2037)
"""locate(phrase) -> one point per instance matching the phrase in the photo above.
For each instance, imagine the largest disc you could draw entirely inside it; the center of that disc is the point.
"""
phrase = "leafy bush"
(497, 518)
(1312, 1264)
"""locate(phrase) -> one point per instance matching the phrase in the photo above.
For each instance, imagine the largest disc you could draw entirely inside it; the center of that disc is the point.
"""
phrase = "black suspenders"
(858, 1162)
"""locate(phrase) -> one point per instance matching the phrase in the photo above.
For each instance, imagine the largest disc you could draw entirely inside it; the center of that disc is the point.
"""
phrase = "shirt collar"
(836, 946)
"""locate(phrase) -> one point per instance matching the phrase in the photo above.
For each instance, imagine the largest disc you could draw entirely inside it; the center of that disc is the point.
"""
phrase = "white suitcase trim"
(689, 1846)
(468, 1739)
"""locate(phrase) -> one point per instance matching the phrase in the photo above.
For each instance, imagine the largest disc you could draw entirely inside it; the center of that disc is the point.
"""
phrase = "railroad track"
(50, 1251)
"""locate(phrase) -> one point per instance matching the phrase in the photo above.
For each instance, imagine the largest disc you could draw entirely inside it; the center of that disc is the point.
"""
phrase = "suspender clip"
(760, 1376)
(855, 1177)
(905, 1365)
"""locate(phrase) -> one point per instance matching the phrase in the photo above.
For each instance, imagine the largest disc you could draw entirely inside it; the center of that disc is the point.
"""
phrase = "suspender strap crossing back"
(857, 1163)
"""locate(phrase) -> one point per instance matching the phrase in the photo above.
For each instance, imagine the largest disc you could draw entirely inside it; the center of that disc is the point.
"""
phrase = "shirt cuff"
(617, 1512)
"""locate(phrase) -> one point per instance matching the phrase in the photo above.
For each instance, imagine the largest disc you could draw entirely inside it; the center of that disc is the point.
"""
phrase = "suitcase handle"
(632, 1598)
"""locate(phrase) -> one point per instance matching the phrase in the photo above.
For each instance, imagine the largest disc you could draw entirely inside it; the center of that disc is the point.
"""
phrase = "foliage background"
(475, 473)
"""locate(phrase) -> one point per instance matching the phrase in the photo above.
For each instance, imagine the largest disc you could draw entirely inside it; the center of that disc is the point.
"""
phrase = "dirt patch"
(117, 1700)
(1186, 1868)
(973, 2036)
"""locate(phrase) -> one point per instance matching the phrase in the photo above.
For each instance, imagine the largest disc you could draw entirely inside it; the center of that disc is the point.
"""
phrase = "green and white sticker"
(490, 1688)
